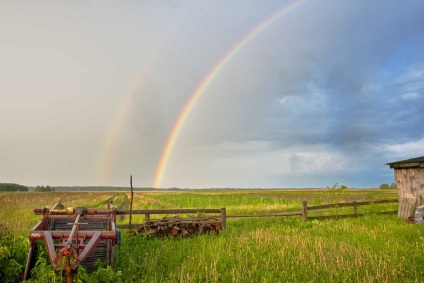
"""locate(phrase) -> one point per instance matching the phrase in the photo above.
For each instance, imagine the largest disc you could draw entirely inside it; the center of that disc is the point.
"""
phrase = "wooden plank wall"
(410, 184)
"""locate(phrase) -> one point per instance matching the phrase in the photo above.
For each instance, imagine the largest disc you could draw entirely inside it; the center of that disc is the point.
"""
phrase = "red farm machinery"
(74, 237)
(80, 236)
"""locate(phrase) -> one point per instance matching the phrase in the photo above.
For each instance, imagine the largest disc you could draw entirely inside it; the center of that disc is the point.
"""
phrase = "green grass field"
(373, 248)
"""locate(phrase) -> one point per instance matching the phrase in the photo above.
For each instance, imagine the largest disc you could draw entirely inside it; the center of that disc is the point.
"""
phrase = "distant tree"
(44, 189)
(384, 187)
(10, 187)
(393, 186)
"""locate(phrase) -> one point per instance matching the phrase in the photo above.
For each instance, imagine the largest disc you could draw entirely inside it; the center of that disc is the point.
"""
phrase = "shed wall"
(410, 185)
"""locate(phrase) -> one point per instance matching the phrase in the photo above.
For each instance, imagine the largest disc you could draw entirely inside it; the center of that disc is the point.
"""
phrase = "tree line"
(388, 187)
(44, 189)
(10, 187)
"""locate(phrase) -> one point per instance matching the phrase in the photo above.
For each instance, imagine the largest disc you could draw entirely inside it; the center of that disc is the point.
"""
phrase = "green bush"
(335, 192)
(13, 249)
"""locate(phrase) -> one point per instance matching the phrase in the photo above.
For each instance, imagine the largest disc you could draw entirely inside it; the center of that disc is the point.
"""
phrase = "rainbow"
(106, 152)
(106, 156)
(206, 82)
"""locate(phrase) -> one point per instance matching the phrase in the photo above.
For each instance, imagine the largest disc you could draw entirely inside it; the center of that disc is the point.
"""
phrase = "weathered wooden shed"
(409, 176)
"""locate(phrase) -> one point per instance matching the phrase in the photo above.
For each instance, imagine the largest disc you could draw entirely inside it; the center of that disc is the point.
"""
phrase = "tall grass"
(374, 248)
(283, 250)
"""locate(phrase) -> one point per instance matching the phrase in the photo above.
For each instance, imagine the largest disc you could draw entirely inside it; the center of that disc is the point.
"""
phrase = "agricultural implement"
(82, 236)
(177, 226)
(74, 237)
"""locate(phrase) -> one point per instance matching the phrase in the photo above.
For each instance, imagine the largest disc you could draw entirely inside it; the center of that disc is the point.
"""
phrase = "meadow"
(373, 248)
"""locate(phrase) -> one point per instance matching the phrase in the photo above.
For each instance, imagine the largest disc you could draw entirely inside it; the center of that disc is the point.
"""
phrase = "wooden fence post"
(147, 217)
(131, 203)
(304, 210)
(224, 218)
(355, 209)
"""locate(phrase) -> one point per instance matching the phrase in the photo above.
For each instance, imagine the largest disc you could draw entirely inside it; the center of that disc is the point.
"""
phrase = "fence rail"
(290, 213)
(148, 212)
(354, 205)
(303, 213)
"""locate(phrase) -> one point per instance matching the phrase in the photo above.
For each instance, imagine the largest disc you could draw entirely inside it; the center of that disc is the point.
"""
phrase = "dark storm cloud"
(372, 50)
(337, 66)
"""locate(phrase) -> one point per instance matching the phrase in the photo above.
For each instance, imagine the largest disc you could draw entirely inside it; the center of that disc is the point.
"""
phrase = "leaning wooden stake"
(132, 197)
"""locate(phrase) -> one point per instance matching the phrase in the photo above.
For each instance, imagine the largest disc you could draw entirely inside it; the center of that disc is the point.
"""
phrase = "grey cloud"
(329, 81)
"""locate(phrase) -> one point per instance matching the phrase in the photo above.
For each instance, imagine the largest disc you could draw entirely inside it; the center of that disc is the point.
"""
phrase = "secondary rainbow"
(106, 153)
(106, 157)
(205, 83)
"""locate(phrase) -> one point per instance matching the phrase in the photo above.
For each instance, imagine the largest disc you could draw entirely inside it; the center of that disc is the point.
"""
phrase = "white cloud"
(312, 98)
(313, 162)
(411, 96)
(409, 149)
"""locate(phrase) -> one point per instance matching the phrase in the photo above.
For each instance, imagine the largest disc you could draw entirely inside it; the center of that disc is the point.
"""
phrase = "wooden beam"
(168, 211)
(291, 213)
(345, 204)
(405, 165)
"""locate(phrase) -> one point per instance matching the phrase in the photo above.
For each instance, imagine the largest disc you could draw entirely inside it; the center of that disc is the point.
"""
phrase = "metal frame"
(73, 237)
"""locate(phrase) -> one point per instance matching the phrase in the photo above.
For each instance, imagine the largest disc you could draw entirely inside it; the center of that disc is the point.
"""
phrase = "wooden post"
(224, 218)
(304, 210)
(132, 197)
(147, 217)
(355, 209)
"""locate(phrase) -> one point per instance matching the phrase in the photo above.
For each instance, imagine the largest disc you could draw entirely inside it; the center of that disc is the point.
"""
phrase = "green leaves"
(12, 256)
(336, 192)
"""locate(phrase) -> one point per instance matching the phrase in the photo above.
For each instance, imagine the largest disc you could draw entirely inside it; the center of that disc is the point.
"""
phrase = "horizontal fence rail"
(148, 212)
(168, 211)
(354, 205)
(303, 213)
(291, 213)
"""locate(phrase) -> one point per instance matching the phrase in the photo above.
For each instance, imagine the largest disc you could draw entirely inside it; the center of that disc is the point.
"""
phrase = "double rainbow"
(194, 98)
(107, 149)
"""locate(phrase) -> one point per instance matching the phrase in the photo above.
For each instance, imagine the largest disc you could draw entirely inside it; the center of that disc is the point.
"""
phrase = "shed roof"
(413, 162)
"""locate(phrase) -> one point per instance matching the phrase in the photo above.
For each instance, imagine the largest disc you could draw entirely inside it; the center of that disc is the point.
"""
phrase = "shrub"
(336, 191)
(13, 251)
(384, 187)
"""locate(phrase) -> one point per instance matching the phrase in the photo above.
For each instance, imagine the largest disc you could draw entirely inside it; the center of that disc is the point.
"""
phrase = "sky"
(295, 94)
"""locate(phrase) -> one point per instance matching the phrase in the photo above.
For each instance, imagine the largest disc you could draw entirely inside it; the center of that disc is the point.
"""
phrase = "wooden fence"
(303, 213)
(289, 213)
(148, 212)
(354, 205)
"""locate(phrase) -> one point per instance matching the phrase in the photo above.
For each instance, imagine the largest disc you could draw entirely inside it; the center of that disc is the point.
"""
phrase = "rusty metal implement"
(74, 237)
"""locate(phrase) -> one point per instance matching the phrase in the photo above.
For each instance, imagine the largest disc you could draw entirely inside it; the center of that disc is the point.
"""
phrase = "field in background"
(378, 248)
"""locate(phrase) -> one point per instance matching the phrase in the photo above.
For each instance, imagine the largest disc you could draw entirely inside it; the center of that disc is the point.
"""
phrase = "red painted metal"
(73, 236)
